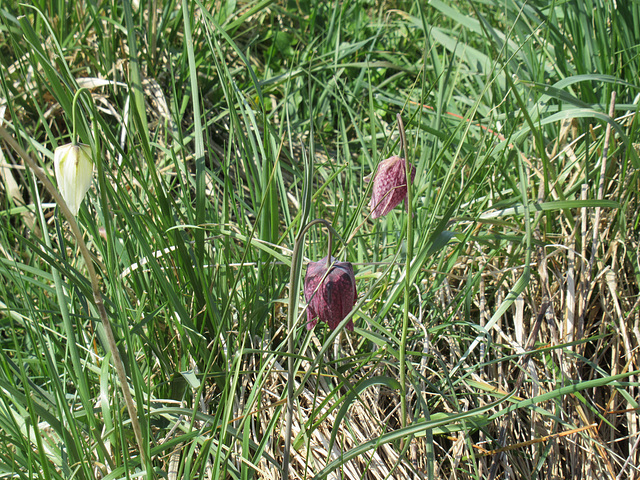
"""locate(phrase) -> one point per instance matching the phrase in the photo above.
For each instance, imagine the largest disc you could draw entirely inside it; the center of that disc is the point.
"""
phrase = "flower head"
(74, 172)
(389, 186)
(331, 296)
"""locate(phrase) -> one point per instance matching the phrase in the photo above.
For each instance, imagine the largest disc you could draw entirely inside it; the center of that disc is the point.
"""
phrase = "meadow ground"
(161, 332)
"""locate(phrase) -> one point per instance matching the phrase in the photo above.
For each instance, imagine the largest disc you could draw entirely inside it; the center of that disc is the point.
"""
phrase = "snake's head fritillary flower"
(74, 172)
(389, 186)
(330, 296)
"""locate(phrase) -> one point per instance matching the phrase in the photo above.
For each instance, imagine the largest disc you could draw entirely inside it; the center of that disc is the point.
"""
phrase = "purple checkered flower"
(331, 296)
(389, 186)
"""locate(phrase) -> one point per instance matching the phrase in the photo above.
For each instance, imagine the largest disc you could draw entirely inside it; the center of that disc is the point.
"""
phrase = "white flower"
(74, 173)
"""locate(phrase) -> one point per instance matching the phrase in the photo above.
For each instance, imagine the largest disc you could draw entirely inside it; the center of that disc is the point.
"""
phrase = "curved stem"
(294, 287)
(74, 110)
(95, 285)
(329, 244)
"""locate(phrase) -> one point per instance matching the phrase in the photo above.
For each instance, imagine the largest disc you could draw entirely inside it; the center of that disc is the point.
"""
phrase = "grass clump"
(501, 342)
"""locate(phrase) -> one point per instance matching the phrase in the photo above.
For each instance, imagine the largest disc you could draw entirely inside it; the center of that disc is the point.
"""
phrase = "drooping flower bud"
(332, 296)
(74, 172)
(389, 186)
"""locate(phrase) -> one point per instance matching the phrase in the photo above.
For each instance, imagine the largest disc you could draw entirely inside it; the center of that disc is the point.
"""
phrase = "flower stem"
(329, 244)
(405, 316)
(294, 288)
(74, 111)
(95, 286)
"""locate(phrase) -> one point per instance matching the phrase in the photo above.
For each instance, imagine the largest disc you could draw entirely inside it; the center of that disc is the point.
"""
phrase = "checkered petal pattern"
(389, 186)
(330, 298)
